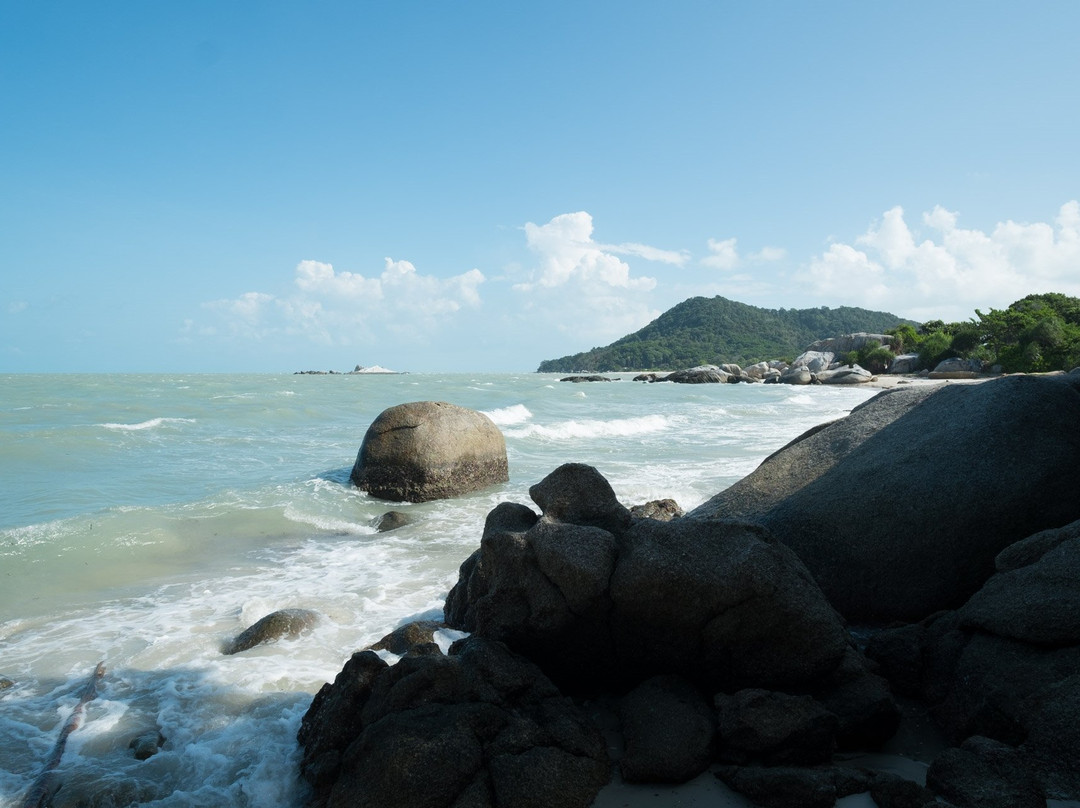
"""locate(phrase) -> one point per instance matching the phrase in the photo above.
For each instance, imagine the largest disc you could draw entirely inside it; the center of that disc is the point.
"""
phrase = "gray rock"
(663, 510)
(668, 729)
(702, 374)
(796, 375)
(428, 450)
(846, 375)
(814, 361)
(793, 787)
(481, 726)
(957, 368)
(988, 464)
(1052, 743)
(593, 378)
(1028, 551)
(904, 363)
(286, 623)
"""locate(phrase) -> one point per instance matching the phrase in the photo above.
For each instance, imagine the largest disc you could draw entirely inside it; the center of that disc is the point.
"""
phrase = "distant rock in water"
(428, 450)
(587, 379)
(285, 624)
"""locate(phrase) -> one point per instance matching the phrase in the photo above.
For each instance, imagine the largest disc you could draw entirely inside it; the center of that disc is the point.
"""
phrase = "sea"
(146, 520)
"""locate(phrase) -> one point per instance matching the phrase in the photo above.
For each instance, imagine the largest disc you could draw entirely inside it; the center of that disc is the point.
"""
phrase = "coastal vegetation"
(1038, 333)
(714, 331)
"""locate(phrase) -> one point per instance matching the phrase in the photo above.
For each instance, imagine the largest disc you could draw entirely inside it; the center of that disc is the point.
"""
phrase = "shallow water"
(147, 519)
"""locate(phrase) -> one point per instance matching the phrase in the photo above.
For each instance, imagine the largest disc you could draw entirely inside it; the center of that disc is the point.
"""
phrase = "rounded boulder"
(428, 450)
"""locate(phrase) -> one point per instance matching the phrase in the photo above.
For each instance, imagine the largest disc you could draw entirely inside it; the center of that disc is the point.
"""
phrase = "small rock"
(663, 510)
(391, 520)
(147, 745)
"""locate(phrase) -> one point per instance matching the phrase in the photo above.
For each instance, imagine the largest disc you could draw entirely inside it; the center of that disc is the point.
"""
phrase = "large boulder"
(983, 465)
(611, 600)
(702, 374)
(283, 624)
(668, 730)
(480, 727)
(814, 361)
(428, 450)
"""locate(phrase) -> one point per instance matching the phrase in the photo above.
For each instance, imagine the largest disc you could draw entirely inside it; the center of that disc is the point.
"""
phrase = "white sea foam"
(151, 424)
(509, 416)
(590, 428)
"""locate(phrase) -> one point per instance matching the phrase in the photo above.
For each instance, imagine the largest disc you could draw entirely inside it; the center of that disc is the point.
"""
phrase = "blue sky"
(473, 186)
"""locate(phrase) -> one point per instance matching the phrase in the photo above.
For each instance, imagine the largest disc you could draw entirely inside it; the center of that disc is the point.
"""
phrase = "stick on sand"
(46, 784)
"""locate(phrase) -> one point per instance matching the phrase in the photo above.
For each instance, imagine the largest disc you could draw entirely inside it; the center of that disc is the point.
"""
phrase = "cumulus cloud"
(343, 308)
(724, 255)
(581, 287)
(949, 271)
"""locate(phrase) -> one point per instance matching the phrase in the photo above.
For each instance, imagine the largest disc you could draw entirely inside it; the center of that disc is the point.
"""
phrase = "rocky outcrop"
(480, 726)
(983, 466)
(592, 378)
(703, 374)
(430, 450)
(599, 599)
(284, 624)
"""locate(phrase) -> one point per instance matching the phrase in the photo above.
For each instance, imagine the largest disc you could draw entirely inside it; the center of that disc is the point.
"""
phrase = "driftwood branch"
(46, 784)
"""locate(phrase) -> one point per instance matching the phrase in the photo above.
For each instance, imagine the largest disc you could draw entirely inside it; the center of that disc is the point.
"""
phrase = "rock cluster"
(718, 634)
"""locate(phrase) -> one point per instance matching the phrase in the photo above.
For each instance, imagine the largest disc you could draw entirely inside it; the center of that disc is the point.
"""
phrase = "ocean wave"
(618, 428)
(509, 416)
(153, 423)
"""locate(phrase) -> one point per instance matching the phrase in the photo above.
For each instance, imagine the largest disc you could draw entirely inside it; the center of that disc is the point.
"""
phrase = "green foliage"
(716, 330)
(935, 347)
(876, 360)
(905, 338)
(1037, 333)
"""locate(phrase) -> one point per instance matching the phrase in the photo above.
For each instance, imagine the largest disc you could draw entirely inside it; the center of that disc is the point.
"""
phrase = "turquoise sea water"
(145, 519)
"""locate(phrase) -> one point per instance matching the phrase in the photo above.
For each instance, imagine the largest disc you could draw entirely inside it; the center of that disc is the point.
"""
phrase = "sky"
(479, 186)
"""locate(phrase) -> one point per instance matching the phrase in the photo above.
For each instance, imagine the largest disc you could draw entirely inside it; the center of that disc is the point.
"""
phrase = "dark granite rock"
(663, 510)
(404, 638)
(987, 464)
(391, 520)
(984, 773)
(777, 728)
(481, 726)
(668, 729)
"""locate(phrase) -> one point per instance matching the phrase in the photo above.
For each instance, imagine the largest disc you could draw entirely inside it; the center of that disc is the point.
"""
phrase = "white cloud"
(951, 271)
(580, 287)
(344, 308)
(676, 257)
(724, 255)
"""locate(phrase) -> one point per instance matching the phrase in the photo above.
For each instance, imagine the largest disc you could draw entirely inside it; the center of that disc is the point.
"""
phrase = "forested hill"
(703, 331)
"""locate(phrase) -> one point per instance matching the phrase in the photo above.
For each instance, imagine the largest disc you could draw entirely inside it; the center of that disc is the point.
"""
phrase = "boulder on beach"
(428, 450)
(283, 624)
(481, 726)
(982, 466)
(702, 374)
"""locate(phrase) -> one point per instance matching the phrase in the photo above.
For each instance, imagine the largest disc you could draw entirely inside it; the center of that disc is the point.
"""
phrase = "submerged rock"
(284, 624)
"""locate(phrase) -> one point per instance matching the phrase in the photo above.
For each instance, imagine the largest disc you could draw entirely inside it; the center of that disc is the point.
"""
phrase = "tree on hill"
(716, 330)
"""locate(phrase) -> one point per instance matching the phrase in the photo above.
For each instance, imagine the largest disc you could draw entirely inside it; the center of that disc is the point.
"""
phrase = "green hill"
(703, 331)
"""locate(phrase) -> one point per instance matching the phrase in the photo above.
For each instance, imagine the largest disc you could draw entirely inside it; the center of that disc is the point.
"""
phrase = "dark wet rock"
(777, 728)
(650, 377)
(481, 726)
(892, 791)
(591, 378)
(284, 624)
(794, 787)
(391, 520)
(1052, 743)
(984, 773)
(863, 703)
(1028, 551)
(147, 745)
(663, 510)
(668, 729)
(5, 683)
(987, 464)
(404, 638)
(428, 450)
